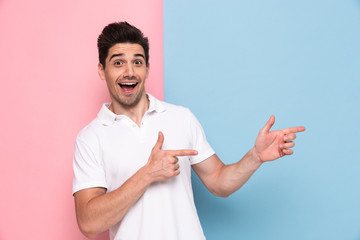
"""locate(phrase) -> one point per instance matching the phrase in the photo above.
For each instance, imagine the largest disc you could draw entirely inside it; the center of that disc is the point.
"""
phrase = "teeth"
(128, 84)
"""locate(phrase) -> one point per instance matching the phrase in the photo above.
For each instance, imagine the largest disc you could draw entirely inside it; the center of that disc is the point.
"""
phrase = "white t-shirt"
(112, 148)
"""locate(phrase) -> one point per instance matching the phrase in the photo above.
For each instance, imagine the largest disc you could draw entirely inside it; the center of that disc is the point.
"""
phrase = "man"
(132, 163)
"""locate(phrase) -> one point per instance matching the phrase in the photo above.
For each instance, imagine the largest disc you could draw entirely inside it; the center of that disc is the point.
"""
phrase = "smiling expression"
(125, 74)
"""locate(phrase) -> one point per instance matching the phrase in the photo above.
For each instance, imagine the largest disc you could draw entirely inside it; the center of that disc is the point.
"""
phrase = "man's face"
(125, 74)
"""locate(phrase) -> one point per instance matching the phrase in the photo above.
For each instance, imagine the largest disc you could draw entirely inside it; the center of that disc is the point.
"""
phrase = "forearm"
(232, 177)
(104, 211)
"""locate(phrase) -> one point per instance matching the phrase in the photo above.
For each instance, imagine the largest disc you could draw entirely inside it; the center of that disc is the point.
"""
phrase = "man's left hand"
(271, 145)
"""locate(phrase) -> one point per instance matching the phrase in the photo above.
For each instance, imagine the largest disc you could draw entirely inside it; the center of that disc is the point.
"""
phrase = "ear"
(147, 70)
(101, 71)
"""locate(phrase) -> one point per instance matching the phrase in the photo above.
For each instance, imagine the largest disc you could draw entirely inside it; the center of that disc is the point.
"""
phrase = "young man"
(132, 163)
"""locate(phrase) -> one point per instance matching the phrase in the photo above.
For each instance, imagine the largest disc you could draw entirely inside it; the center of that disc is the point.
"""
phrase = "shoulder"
(176, 108)
(179, 114)
(90, 133)
(168, 109)
(97, 126)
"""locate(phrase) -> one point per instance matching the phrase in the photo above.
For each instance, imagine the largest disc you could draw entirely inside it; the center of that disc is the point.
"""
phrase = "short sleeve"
(88, 169)
(199, 141)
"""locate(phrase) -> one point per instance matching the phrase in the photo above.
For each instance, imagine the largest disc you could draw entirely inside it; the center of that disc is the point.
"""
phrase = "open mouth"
(128, 86)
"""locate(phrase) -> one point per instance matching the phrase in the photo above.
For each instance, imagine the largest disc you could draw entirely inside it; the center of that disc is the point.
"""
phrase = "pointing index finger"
(294, 130)
(183, 152)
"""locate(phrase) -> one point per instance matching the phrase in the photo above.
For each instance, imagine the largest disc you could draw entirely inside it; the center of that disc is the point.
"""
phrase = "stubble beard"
(132, 101)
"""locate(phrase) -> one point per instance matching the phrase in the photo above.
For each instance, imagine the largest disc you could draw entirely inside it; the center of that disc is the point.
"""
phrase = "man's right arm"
(97, 211)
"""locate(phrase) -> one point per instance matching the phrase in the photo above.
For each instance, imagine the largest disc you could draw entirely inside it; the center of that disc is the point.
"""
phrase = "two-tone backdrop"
(233, 63)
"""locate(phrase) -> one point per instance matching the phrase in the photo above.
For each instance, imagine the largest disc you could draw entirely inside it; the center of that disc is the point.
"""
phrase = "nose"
(129, 72)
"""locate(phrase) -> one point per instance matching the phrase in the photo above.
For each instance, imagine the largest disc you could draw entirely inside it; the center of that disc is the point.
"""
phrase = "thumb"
(269, 124)
(159, 142)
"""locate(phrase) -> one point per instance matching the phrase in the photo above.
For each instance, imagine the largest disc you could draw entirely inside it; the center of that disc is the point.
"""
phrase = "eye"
(118, 63)
(138, 62)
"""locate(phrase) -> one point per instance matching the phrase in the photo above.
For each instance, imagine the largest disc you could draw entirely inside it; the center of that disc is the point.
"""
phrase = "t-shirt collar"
(155, 105)
(107, 117)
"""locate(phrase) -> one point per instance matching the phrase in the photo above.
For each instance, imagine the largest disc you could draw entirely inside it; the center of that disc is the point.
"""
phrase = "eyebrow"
(121, 54)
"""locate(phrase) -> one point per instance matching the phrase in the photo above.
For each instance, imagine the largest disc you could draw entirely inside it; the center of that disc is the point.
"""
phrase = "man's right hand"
(163, 164)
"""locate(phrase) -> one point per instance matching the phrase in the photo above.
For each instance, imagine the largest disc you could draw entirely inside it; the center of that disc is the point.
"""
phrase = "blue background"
(234, 63)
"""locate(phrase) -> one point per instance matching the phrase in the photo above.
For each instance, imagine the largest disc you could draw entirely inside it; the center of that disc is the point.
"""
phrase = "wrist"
(145, 176)
(255, 156)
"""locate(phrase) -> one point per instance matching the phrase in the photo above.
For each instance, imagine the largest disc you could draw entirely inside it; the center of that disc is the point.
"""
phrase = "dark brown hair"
(120, 32)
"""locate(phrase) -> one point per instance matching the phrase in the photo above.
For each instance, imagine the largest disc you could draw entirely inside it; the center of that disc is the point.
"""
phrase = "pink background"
(50, 90)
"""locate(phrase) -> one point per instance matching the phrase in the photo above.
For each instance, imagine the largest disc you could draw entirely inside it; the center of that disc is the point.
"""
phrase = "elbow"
(225, 195)
(221, 193)
(90, 235)
(87, 230)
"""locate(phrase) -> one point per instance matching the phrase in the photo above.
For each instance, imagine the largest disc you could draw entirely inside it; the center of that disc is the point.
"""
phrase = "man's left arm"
(222, 180)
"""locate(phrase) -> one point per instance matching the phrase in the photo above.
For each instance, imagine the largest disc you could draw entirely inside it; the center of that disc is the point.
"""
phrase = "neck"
(135, 113)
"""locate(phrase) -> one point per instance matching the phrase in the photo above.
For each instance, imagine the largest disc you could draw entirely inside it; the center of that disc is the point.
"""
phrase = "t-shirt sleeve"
(88, 169)
(199, 141)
